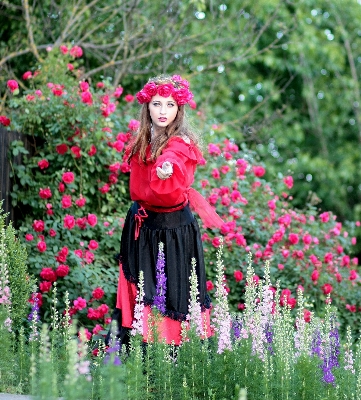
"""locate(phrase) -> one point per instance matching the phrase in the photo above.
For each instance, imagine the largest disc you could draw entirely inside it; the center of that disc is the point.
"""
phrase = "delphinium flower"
(194, 308)
(236, 328)
(139, 307)
(316, 342)
(114, 348)
(160, 297)
(269, 337)
(221, 317)
(348, 358)
(301, 339)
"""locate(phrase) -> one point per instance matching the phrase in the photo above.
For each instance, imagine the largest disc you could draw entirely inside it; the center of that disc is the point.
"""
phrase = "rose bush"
(308, 251)
(73, 193)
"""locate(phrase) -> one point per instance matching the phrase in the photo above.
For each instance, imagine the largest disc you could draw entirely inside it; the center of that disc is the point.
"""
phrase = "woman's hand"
(166, 171)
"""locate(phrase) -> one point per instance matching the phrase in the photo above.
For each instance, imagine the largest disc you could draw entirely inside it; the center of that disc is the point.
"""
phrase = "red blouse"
(148, 189)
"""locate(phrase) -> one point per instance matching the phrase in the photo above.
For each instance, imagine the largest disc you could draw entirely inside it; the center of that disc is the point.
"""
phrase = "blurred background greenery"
(280, 76)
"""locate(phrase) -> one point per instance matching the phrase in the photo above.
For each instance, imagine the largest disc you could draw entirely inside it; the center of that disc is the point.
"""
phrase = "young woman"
(163, 157)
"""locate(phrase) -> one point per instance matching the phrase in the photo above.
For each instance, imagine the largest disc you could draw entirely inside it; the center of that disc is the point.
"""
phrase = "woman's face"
(163, 111)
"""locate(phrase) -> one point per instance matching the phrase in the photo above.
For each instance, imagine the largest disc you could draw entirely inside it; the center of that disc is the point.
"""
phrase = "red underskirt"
(167, 328)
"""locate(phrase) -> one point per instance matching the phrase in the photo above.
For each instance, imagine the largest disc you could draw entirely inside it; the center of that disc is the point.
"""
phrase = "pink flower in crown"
(143, 97)
(165, 90)
(182, 96)
(150, 89)
(177, 78)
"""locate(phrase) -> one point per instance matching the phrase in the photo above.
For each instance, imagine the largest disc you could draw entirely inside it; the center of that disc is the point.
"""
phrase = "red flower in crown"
(182, 96)
(166, 90)
(151, 89)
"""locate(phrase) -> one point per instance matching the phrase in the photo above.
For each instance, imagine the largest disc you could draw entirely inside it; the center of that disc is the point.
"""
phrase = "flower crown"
(175, 86)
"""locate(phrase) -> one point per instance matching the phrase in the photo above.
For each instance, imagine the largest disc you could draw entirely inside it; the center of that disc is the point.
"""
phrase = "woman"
(163, 157)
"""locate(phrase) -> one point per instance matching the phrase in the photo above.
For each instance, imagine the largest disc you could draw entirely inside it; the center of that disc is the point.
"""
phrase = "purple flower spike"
(160, 297)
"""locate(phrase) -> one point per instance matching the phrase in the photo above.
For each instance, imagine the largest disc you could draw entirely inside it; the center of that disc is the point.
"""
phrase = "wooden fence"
(7, 161)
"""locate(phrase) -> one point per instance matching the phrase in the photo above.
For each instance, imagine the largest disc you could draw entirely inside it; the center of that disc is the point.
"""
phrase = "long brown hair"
(143, 137)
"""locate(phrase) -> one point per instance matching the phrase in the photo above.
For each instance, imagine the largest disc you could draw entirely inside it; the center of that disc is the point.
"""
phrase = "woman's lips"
(162, 119)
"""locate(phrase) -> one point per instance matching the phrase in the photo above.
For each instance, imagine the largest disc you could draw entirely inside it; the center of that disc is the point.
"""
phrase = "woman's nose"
(163, 110)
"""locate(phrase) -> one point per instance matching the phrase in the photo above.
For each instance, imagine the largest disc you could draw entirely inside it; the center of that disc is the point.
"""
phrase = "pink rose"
(214, 149)
(61, 187)
(5, 121)
(129, 98)
(353, 275)
(29, 237)
(209, 285)
(43, 164)
(45, 193)
(118, 92)
(325, 217)
(87, 98)
(258, 171)
(327, 288)
(216, 242)
(61, 148)
(79, 253)
(81, 222)
(38, 225)
(93, 314)
(68, 177)
(70, 66)
(125, 167)
(48, 274)
(100, 85)
(103, 309)
(80, 202)
(215, 173)
(293, 238)
(12, 85)
(89, 257)
(98, 293)
(69, 221)
(92, 219)
(64, 49)
(118, 146)
(315, 275)
(27, 75)
(62, 270)
(192, 104)
(288, 181)
(133, 125)
(76, 51)
(165, 90)
(41, 246)
(79, 303)
(84, 86)
(66, 201)
(93, 245)
(52, 233)
(238, 275)
(57, 90)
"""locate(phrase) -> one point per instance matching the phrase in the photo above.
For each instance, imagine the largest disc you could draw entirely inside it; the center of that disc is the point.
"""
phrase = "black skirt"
(179, 232)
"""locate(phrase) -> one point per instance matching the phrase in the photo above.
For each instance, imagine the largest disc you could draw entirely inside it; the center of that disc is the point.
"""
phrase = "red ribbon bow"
(142, 214)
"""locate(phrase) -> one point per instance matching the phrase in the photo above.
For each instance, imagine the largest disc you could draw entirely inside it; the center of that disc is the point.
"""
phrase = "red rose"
(293, 238)
(61, 148)
(92, 219)
(98, 293)
(4, 120)
(57, 90)
(27, 75)
(92, 150)
(76, 151)
(68, 177)
(105, 188)
(209, 285)
(12, 85)
(81, 222)
(315, 275)
(43, 164)
(165, 90)
(66, 201)
(118, 91)
(84, 86)
(238, 276)
(80, 202)
(307, 315)
(353, 275)
(118, 146)
(327, 288)
(79, 303)
(93, 314)
(62, 270)
(38, 225)
(41, 246)
(45, 286)
(113, 179)
(36, 297)
(351, 308)
(76, 51)
(89, 257)
(48, 274)
(103, 309)
(69, 222)
(93, 245)
(45, 193)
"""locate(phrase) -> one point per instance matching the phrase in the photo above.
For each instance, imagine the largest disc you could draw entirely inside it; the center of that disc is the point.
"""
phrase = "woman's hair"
(178, 127)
